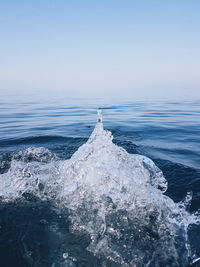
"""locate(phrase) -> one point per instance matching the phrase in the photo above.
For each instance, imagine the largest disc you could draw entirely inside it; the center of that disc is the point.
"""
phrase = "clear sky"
(123, 48)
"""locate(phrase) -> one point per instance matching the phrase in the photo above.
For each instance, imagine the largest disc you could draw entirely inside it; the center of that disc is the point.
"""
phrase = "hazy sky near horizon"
(131, 48)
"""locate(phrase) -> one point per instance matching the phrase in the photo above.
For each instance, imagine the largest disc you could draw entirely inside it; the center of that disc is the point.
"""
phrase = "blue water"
(167, 132)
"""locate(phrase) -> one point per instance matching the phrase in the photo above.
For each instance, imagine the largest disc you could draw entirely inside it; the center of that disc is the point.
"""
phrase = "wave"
(116, 197)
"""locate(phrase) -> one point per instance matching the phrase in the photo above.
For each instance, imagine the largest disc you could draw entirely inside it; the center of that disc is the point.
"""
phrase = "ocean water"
(78, 192)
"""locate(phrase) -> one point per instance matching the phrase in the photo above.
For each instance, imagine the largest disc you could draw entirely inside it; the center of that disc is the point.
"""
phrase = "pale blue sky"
(137, 49)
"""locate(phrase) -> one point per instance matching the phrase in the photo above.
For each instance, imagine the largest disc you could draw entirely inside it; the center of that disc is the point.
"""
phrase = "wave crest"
(115, 196)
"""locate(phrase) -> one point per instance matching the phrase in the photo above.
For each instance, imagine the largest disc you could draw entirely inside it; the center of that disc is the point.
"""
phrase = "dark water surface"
(32, 231)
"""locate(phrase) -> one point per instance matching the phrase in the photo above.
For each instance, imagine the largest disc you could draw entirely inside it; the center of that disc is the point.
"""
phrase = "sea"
(99, 182)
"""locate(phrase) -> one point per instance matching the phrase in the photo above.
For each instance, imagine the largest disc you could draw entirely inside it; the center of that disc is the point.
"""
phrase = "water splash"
(114, 196)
